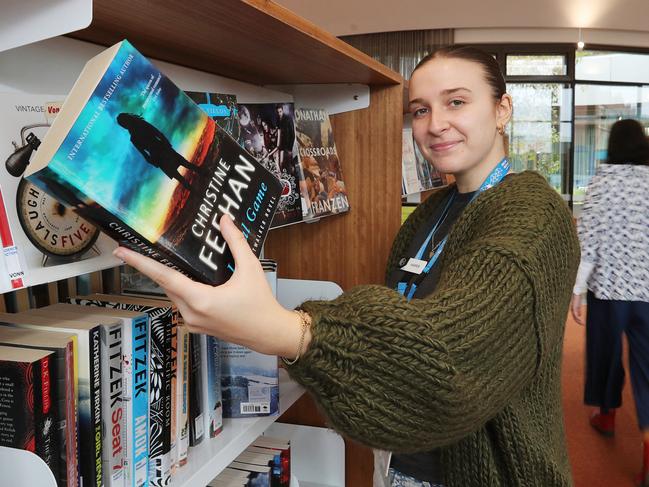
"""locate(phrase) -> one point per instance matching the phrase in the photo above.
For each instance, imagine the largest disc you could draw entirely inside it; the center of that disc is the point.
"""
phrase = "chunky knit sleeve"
(407, 376)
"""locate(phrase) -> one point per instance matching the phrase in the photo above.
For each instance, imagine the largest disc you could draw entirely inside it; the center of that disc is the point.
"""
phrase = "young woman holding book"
(454, 365)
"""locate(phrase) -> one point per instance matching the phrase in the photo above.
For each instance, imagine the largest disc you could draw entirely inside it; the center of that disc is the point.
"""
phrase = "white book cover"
(212, 402)
(42, 240)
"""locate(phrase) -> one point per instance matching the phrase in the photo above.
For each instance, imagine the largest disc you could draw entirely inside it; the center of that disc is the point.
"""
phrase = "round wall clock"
(54, 229)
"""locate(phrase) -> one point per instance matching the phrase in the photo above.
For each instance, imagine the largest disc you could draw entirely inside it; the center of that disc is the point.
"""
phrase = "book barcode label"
(255, 408)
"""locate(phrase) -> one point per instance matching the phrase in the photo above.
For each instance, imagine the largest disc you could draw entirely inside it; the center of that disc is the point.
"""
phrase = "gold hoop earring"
(501, 130)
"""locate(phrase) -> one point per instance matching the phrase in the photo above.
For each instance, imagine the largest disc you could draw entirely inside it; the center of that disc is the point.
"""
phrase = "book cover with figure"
(322, 188)
(268, 133)
(134, 154)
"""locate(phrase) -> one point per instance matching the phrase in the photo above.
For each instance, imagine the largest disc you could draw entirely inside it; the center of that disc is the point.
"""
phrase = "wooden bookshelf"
(251, 40)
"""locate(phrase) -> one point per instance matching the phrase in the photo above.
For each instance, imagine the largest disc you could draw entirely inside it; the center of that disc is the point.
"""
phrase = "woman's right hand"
(242, 311)
(577, 309)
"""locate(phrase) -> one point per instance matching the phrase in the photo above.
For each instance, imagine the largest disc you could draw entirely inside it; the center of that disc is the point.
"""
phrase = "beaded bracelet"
(305, 321)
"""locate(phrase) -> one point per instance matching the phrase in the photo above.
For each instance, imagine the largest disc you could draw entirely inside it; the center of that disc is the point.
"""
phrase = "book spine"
(95, 409)
(127, 394)
(139, 426)
(158, 457)
(63, 417)
(86, 393)
(112, 405)
(205, 386)
(215, 404)
(72, 415)
(196, 423)
(44, 399)
(167, 397)
(173, 451)
(61, 414)
(183, 394)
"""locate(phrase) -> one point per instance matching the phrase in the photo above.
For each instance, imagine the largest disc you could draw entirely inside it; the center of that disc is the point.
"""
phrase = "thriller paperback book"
(132, 153)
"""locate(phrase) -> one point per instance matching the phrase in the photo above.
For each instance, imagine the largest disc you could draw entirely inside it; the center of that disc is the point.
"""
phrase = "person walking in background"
(614, 270)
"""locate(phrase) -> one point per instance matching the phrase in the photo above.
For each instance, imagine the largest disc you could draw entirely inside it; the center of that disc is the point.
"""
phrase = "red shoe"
(642, 479)
(604, 423)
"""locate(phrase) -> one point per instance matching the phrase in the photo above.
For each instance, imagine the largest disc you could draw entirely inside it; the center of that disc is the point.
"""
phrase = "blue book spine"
(140, 419)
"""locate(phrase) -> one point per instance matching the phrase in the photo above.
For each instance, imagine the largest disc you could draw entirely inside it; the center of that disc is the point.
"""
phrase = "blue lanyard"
(495, 177)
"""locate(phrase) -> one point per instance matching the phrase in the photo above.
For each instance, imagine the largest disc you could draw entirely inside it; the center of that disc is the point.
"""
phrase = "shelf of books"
(207, 460)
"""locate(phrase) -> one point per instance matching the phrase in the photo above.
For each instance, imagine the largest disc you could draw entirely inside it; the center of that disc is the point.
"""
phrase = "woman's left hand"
(242, 311)
(576, 309)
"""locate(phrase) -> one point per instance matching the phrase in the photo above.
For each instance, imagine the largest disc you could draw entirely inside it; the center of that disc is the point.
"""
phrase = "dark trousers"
(606, 321)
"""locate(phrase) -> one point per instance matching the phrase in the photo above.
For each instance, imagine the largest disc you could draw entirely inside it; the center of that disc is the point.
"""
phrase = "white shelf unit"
(317, 454)
(208, 459)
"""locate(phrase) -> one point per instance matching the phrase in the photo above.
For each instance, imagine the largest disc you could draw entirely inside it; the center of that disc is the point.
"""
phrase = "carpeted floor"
(596, 461)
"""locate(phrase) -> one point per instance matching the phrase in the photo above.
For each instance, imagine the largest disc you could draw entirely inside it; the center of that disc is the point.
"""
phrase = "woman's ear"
(504, 110)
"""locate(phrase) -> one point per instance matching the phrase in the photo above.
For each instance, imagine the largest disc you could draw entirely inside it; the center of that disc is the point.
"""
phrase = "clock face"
(53, 228)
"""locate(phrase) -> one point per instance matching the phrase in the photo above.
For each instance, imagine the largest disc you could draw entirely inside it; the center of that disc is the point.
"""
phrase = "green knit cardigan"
(474, 369)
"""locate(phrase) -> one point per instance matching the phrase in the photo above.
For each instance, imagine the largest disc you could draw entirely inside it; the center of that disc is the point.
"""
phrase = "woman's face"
(455, 117)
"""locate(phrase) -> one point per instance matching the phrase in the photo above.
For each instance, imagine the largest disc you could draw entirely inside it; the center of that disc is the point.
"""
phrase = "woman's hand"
(576, 308)
(243, 310)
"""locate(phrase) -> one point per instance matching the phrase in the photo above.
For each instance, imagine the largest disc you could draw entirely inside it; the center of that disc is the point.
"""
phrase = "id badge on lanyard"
(416, 265)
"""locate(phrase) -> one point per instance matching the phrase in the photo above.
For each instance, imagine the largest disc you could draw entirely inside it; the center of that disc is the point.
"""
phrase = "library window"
(536, 65)
(565, 102)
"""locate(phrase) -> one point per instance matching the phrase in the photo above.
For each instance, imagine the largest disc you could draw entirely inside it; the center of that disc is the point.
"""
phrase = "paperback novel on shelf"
(221, 107)
(249, 379)
(212, 399)
(27, 395)
(268, 133)
(323, 187)
(196, 391)
(182, 396)
(65, 409)
(160, 316)
(41, 239)
(88, 340)
(134, 154)
(124, 388)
